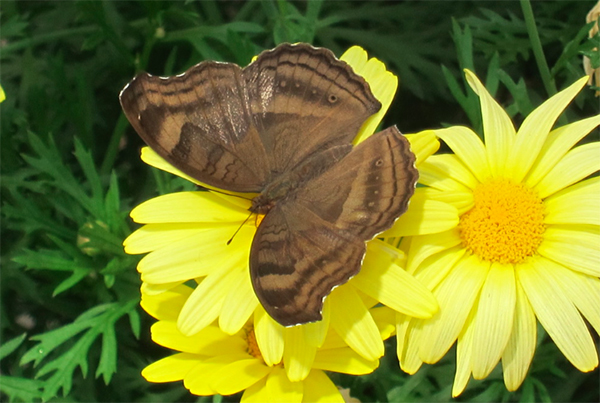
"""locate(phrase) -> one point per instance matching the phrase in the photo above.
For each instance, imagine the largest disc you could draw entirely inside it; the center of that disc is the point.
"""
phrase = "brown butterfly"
(282, 127)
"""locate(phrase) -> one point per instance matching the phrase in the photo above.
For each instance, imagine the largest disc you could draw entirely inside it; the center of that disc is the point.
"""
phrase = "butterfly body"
(282, 127)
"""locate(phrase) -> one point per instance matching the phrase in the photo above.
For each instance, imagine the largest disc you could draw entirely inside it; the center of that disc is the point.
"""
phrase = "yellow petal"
(352, 321)
(155, 236)
(210, 341)
(559, 142)
(422, 247)
(582, 290)
(385, 318)
(256, 393)
(557, 314)
(535, 128)
(197, 380)
(280, 389)
(204, 305)
(445, 172)
(469, 149)
(424, 216)
(434, 271)
(462, 201)
(407, 345)
(171, 368)
(168, 304)
(318, 388)
(269, 336)
(344, 360)
(575, 249)
(298, 355)
(2, 94)
(316, 332)
(238, 305)
(464, 356)
(577, 204)
(455, 295)
(197, 257)
(388, 283)
(579, 163)
(155, 289)
(423, 144)
(497, 127)
(382, 82)
(150, 157)
(188, 207)
(521, 344)
(494, 319)
(238, 376)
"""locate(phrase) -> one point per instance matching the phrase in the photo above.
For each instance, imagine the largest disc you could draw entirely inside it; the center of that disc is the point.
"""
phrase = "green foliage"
(98, 320)
(70, 169)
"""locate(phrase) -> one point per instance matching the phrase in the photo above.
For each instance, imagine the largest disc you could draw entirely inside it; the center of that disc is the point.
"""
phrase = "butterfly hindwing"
(366, 191)
(297, 259)
(314, 239)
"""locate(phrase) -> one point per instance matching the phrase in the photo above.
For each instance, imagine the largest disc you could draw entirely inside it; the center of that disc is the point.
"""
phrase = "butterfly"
(283, 127)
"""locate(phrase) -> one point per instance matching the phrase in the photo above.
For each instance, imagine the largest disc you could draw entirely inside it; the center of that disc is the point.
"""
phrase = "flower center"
(252, 348)
(506, 223)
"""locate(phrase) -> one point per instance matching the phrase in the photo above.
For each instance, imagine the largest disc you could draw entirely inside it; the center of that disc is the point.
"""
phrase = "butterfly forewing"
(304, 101)
(200, 123)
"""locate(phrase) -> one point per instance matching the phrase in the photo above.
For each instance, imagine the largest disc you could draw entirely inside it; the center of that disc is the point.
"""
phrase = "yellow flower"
(527, 245)
(186, 237)
(2, 94)
(214, 362)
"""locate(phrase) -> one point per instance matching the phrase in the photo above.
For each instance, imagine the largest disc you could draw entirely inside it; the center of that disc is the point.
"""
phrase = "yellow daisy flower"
(214, 362)
(185, 235)
(527, 245)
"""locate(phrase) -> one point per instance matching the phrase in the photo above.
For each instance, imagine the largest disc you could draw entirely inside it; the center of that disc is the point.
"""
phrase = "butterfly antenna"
(239, 228)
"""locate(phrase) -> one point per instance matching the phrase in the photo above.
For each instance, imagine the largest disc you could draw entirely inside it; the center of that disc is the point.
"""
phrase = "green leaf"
(9, 346)
(108, 357)
(49, 161)
(134, 322)
(14, 27)
(89, 169)
(99, 320)
(522, 104)
(29, 217)
(45, 259)
(493, 75)
(26, 390)
(580, 44)
(112, 204)
(463, 40)
(72, 280)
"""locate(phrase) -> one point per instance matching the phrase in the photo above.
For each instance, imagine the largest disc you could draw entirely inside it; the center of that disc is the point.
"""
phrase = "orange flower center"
(506, 223)
(252, 348)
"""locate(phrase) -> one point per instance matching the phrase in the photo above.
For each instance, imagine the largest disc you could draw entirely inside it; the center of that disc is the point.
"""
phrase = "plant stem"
(536, 46)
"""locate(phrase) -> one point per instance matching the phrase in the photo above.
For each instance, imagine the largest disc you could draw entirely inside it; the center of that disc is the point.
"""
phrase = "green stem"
(536, 46)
